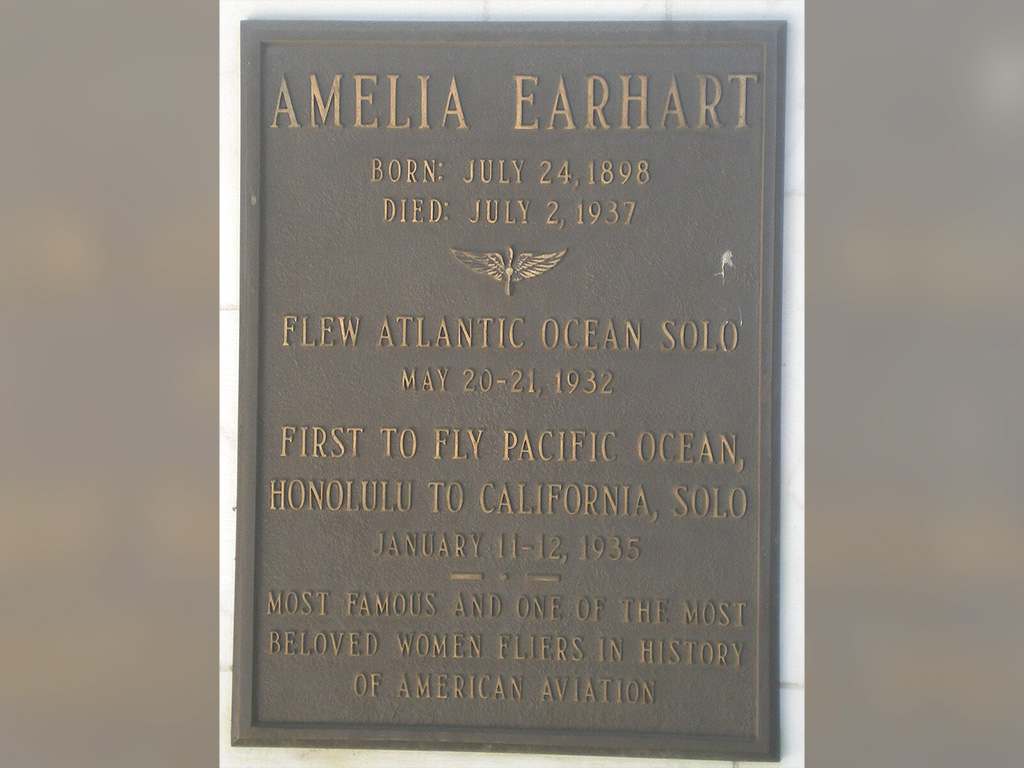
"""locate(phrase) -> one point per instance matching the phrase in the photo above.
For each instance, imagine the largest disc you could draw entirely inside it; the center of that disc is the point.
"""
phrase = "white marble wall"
(792, 485)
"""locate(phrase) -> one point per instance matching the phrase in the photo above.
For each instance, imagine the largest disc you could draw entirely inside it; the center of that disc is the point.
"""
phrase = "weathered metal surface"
(508, 407)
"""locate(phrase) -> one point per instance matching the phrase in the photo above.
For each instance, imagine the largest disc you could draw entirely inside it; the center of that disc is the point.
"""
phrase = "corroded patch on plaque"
(509, 395)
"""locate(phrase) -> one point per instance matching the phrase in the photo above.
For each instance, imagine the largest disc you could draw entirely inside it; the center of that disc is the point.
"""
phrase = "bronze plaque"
(508, 437)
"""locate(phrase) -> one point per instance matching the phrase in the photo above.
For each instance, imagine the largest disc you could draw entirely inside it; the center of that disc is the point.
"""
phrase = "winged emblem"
(511, 268)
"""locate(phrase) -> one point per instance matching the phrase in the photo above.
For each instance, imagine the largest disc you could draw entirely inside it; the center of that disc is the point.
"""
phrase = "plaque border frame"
(246, 730)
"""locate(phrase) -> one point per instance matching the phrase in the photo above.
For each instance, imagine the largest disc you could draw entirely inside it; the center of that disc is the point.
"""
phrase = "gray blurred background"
(108, 322)
(915, 355)
(915, 342)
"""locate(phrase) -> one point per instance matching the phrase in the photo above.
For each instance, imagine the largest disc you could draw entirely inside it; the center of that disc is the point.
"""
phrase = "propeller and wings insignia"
(511, 268)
